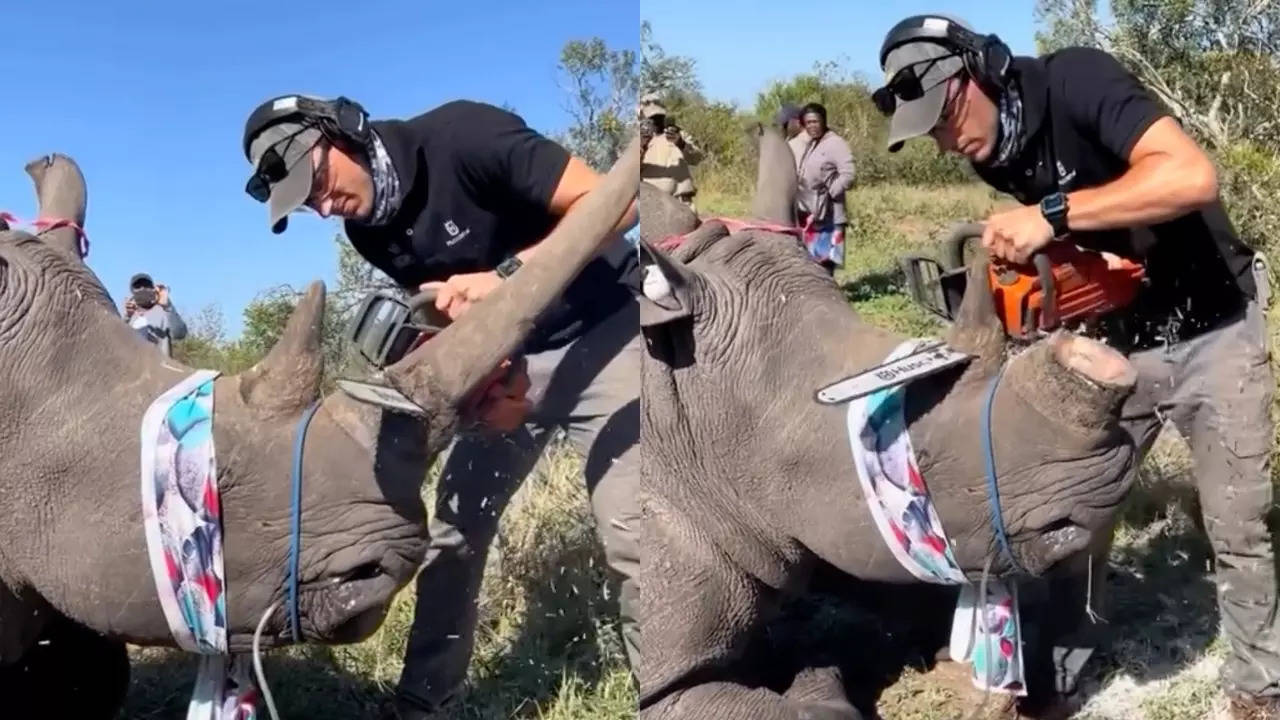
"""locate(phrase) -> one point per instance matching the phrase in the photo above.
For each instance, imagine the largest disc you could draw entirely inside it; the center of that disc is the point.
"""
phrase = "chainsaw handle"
(953, 244)
(1049, 306)
(423, 299)
(426, 300)
(953, 257)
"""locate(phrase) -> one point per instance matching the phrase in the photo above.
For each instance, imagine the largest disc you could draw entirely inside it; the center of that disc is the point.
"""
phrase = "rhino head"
(77, 381)
(743, 328)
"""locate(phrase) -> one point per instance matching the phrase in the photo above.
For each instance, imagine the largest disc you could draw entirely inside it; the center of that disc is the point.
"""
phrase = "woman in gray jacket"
(824, 167)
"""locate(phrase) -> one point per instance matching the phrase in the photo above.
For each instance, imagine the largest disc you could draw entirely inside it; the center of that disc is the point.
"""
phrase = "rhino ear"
(977, 329)
(61, 195)
(667, 287)
(287, 380)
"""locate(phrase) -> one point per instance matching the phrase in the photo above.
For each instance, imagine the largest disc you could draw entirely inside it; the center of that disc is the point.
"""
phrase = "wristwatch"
(1054, 209)
(508, 267)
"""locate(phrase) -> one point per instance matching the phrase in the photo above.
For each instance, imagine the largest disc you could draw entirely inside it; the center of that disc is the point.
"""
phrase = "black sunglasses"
(905, 85)
(271, 169)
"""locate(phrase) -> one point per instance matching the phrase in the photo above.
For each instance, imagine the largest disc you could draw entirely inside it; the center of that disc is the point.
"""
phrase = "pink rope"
(44, 225)
(674, 241)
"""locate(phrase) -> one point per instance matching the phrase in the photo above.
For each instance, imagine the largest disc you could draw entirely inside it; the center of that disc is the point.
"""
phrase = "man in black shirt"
(1093, 157)
(456, 199)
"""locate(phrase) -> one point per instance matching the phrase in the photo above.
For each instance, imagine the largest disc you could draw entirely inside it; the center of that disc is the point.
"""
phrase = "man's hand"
(162, 295)
(504, 405)
(130, 307)
(456, 294)
(1015, 235)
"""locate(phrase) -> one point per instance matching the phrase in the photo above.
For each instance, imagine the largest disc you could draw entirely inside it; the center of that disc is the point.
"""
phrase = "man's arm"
(1167, 173)
(844, 169)
(1168, 176)
(507, 157)
(692, 153)
(575, 182)
(177, 326)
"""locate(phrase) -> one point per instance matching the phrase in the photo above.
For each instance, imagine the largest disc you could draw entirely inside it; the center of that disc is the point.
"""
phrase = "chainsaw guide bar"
(926, 361)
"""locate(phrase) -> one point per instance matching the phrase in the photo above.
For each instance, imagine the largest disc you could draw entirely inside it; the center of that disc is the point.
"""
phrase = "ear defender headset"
(338, 119)
(987, 60)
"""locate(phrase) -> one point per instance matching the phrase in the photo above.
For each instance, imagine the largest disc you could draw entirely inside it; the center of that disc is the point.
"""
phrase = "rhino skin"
(75, 579)
(748, 485)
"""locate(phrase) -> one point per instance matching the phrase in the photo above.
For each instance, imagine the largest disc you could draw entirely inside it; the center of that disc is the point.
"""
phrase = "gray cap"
(141, 279)
(293, 141)
(786, 113)
(917, 117)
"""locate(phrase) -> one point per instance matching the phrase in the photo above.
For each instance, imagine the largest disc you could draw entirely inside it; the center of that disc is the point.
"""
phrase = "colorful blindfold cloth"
(905, 85)
(908, 521)
(182, 516)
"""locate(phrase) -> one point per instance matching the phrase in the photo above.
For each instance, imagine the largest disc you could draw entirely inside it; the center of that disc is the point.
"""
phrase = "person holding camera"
(667, 153)
(149, 311)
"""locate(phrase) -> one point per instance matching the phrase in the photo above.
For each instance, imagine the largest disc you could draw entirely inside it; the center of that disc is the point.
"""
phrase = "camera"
(144, 297)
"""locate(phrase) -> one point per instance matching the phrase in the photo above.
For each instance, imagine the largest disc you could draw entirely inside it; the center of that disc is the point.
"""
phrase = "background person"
(667, 153)
(149, 311)
(825, 170)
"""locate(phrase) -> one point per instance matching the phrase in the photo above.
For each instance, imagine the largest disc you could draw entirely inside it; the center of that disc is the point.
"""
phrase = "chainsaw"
(1063, 284)
(383, 330)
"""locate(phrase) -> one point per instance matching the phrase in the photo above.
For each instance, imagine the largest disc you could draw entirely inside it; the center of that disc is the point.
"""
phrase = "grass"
(547, 645)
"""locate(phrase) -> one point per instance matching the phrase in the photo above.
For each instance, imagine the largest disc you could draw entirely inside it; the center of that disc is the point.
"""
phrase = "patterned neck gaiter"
(1010, 138)
(386, 182)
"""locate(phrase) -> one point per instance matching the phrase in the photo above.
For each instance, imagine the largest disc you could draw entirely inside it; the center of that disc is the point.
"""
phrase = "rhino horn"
(440, 373)
(977, 329)
(1084, 381)
(61, 195)
(775, 198)
(288, 378)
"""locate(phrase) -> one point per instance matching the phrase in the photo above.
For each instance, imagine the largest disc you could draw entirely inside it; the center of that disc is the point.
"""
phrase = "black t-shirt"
(1083, 113)
(476, 184)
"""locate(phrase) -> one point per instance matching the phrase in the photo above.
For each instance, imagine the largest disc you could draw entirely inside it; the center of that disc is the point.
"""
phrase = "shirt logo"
(455, 235)
(1064, 177)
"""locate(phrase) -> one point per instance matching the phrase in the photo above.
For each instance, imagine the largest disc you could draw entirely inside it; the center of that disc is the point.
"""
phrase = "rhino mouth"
(349, 606)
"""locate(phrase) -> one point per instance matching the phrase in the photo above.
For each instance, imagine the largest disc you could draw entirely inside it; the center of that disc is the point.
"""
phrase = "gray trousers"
(591, 387)
(1216, 389)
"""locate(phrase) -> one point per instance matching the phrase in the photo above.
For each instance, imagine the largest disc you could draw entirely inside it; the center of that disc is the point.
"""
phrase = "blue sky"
(151, 98)
(742, 45)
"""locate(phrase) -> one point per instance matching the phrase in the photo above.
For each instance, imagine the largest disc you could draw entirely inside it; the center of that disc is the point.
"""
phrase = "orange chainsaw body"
(1084, 285)
(1064, 283)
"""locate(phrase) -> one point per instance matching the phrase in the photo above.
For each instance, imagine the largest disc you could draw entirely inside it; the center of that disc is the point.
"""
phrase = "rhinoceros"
(75, 579)
(748, 486)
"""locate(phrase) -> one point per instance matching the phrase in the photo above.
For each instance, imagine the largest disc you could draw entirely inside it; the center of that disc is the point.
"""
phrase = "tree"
(673, 77)
(601, 84)
(1214, 64)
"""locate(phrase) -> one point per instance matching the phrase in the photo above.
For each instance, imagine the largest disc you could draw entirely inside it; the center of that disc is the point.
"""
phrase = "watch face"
(508, 266)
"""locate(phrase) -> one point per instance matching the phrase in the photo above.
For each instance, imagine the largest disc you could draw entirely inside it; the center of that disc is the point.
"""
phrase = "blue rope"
(993, 491)
(295, 521)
